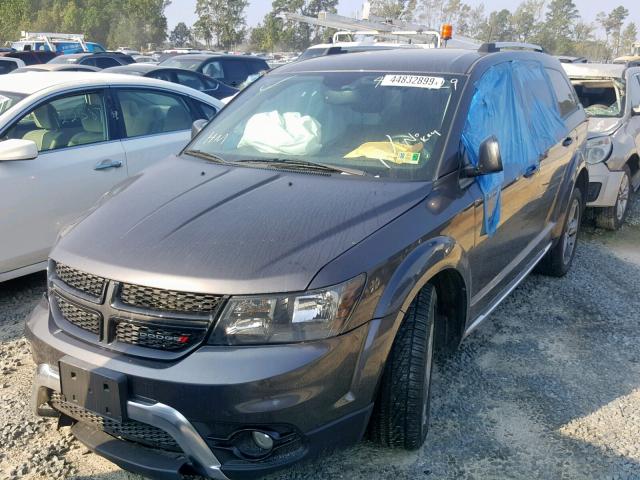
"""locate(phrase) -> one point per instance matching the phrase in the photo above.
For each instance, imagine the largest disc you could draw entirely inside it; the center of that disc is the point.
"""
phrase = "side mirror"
(197, 126)
(14, 150)
(635, 111)
(489, 159)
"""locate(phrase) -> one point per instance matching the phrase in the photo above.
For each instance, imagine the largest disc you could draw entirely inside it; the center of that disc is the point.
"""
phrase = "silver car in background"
(610, 94)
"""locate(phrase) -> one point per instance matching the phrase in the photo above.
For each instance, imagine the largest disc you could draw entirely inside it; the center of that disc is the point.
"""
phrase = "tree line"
(556, 24)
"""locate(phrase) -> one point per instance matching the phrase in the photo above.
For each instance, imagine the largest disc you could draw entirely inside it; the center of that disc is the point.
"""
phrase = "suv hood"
(190, 225)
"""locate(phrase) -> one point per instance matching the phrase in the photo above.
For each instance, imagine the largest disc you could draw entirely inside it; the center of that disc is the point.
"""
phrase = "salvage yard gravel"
(549, 387)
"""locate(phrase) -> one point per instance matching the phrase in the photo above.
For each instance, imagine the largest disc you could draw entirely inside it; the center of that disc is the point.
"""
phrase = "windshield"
(8, 100)
(601, 97)
(67, 59)
(383, 124)
(182, 62)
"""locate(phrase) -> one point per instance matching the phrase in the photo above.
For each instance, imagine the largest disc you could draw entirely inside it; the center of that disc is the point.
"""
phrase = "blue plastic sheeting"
(525, 125)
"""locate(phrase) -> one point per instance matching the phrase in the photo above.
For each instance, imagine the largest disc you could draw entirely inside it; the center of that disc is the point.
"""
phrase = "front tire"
(558, 260)
(612, 218)
(400, 416)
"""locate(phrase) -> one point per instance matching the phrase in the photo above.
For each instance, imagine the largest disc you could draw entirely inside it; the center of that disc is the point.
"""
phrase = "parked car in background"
(610, 95)
(99, 60)
(323, 49)
(66, 138)
(284, 284)
(8, 65)
(30, 58)
(144, 59)
(57, 67)
(59, 43)
(230, 69)
(188, 78)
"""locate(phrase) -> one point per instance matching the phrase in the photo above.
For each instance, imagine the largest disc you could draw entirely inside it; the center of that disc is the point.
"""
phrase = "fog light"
(262, 440)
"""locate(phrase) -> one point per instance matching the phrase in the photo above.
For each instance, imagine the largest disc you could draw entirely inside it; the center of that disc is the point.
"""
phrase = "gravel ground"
(549, 387)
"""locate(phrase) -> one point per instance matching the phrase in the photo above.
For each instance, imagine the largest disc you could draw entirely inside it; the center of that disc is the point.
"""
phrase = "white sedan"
(68, 138)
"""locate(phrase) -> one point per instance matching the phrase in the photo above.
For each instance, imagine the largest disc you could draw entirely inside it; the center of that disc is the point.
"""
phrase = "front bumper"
(318, 392)
(604, 182)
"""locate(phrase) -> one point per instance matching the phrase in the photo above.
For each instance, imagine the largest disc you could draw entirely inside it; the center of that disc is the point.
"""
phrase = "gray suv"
(610, 94)
(282, 286)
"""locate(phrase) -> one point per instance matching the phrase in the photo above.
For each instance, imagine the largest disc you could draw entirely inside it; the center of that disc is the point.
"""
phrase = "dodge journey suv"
(282, 285)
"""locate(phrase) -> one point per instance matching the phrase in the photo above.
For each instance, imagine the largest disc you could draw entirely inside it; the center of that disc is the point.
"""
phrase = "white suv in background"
(68, 138)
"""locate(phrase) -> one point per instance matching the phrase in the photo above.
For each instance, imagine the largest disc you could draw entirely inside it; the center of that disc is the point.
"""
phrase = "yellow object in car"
(389, 152)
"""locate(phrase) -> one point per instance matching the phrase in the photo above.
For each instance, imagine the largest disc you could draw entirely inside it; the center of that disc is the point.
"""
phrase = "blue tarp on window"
(525, 124)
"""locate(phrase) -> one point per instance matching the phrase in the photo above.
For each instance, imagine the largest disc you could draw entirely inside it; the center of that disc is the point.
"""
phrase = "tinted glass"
(147, 112)
(7, 66)
(65, 122)
(235, 72)
(106, 62)
(257, 66)
(388, 125)
(214, 70)
(190, 80)
(567, 102)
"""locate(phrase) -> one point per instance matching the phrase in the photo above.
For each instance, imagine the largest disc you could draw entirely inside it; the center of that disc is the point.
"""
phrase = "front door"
(77, 164)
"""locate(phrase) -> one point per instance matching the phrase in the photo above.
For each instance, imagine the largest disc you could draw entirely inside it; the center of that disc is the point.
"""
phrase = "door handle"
(531, 171)
(567, 142)
(106, 164)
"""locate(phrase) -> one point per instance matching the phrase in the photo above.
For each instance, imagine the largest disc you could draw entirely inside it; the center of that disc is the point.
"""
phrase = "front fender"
(418, 267)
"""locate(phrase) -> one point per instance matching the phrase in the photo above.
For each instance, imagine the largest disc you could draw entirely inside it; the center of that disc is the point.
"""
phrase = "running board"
(517, 281)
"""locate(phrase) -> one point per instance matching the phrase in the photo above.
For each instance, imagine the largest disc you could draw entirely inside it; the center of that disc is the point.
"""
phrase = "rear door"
(79, 161)
(155, 124)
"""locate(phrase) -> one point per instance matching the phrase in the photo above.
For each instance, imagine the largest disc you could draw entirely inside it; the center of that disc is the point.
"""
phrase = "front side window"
(147, 112)
(387, 125)
(235, 71)
(65, 122)
(214, 70)
(567, 102)
(189, 80)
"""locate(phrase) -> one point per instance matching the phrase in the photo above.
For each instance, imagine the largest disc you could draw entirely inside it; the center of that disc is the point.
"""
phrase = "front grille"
(165, 337)
(85, 282)
(79, 317)
(129, 430)
(168, 300)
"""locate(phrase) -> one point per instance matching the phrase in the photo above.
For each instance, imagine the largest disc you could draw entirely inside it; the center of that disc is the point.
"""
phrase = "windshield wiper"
(210, 157)
(305, 164)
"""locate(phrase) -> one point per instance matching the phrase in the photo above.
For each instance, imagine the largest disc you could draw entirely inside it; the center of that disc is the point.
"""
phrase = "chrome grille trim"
(130, 430)
(80, 317)
(85, 282)
(168, 300)
(162, 337)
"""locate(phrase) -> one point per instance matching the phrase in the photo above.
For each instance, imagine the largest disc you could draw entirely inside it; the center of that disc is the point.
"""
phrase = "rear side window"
(635, 91)
(7, 66)
(147, 112)
(189, 80)
(567, 102)
(106, 62)
(214, 70)
(235, 72)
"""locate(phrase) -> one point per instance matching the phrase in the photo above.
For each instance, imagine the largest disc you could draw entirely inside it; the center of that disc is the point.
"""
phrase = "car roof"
(435, 60)
(33, 82)
(54, 67)
(136, 67)
(207, 56)
(613, 70)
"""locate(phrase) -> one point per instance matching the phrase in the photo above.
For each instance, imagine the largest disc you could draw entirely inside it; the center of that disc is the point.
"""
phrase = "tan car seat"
(48, 136)
(93, 126)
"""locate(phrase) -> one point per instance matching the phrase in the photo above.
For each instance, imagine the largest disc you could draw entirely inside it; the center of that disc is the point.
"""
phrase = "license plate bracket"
(96, 389)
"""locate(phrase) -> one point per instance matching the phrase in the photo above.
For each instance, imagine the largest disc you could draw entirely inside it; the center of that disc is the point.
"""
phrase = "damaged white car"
(610, 95)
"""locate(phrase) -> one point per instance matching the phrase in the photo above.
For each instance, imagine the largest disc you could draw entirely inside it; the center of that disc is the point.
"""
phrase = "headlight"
(598, 149)
(300, 317)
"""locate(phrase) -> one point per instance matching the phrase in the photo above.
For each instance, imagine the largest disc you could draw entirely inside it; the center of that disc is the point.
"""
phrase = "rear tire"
(400, 416)
(558, 260)
(612, 218)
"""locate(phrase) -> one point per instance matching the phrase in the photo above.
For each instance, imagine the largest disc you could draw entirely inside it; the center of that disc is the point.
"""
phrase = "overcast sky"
(182, 10)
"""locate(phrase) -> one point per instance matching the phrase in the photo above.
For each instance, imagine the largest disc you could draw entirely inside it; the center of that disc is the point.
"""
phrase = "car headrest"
(92, 119)
(46, 117)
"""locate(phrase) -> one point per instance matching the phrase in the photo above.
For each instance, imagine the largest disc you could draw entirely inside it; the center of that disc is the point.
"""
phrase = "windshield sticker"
(408, 157)
(416, 81)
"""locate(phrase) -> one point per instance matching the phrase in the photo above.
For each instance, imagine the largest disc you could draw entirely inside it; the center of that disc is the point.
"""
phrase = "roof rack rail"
(493, 47)
(49, 37)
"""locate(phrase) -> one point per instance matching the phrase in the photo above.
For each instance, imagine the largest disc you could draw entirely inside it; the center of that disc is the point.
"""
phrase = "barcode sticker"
(416, 81)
